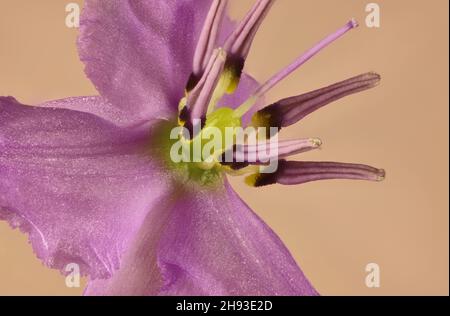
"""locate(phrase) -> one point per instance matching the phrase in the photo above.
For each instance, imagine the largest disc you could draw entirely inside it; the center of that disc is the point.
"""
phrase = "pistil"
(269, 84)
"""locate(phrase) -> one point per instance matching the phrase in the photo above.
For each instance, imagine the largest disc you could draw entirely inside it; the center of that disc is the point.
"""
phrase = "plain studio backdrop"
(333, 229)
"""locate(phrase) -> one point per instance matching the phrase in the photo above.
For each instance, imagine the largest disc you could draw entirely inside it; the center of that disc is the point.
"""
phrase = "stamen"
(298, 172)
(263, 89)
(264, 152)
(198, 99)
(291, 110)
(239, 43)
(207, 40)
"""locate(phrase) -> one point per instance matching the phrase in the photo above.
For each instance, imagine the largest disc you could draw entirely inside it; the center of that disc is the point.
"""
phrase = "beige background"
(332, 228)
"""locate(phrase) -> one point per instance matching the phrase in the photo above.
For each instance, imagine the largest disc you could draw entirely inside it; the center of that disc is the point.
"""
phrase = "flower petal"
(208, 242)
(139, 53)
(78, 185)
(215, 244)
(139, 273)
(96, 105)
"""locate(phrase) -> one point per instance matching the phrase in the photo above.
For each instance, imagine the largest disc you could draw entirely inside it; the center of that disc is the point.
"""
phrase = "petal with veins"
(209, 242)
(98, 106)
(77, 184)
(215, 244)
(139, 53)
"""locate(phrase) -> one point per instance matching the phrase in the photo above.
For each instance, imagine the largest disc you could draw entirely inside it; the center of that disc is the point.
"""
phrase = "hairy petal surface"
(78, 185)
(139, 53)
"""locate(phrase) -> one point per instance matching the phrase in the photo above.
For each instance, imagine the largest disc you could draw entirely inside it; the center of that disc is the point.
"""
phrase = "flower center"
(208, 141)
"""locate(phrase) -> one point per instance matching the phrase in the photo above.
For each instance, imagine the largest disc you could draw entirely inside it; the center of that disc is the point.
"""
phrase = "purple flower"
(90, 179)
